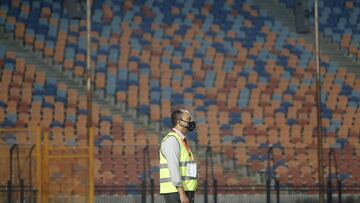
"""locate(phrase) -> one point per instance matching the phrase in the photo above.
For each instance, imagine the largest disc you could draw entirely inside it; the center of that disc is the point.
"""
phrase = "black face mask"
(190, 125)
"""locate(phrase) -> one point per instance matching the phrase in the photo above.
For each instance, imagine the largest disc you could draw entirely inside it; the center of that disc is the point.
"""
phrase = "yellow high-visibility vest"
(186, 156)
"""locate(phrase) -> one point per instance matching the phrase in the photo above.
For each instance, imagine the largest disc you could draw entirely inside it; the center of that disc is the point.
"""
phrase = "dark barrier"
(228, 174)
(232, 194)
(146, 167)
(270, 177)
(209, 156)
(18, 193)
(332, 158)
(18, 170)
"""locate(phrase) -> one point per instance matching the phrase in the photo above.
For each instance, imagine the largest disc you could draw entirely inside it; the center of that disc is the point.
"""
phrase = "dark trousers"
(175, 197)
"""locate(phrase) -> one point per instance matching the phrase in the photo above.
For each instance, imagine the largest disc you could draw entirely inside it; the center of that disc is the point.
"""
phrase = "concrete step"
(286, 17)
(54, 71)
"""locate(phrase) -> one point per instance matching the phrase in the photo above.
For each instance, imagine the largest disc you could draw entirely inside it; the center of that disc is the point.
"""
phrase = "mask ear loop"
(181, 124)
(187, 126)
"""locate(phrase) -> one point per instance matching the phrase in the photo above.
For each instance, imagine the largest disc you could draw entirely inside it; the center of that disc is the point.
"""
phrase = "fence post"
(91, 166)
(143, 194)
(329, 190)
(39, 164)
(277, 187)
(9, 190)
(215, 190)
(9, 184)
(268, 191)
(268, 176)
(205, 191)
(339, 191)
(152, 189)
(22, 190)
(30, 173)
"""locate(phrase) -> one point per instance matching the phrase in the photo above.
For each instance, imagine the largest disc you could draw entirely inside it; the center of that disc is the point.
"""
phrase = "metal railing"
(211, 191)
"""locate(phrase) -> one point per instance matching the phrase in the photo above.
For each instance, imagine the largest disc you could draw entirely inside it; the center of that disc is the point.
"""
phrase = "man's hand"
(183, 197)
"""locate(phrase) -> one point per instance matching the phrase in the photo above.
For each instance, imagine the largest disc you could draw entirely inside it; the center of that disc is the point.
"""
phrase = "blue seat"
(166, 122)
(291, 121)
(56, 124)
(144, 109)
(237, 140)
(70, 119)
(8, 123)
(105, 118)
(9, 139)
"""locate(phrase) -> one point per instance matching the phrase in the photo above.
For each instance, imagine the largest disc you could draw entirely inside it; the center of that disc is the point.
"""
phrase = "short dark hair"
(175, 117)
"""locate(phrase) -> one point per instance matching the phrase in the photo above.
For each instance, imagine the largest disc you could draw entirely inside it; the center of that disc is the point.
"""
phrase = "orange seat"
(203, 134)
(82, 104)
(132, 100)
(95, 114)
(72, 98)
(30, 72)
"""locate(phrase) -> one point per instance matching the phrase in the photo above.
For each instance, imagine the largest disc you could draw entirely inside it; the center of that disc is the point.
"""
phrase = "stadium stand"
(248, 80)
(33, 100)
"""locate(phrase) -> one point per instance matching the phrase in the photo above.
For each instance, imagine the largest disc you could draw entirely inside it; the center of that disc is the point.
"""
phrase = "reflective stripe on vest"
(189, 183)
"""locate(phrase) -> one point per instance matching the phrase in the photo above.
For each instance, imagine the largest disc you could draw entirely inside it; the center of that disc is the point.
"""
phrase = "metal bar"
(10, 162)
(318, 96)
(9, 191)
(152, 191)
(9, 185)
(205, 184)
(339, 184)
(91, 166)
(206, 174)
(207, 163)
(215, 190)
(338, 181)
(30, 173)
(143, 191)
(62, 148)
(13, 129)
(329, 184)
(211, 162)
(68, 156)
(277, 186)
(46, 168)
(18, 163)
(22, 190)
(268, 177)
(214, 181)
(143, 185)
(38, 165)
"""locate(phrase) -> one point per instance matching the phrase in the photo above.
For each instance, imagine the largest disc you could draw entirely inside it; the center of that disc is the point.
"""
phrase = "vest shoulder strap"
(170, 134)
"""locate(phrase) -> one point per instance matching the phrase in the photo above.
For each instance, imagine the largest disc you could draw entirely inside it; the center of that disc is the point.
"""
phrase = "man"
(178, 170)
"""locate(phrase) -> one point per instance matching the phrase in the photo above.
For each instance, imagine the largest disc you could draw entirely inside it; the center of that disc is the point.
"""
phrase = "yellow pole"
(38, 165)
(318, 101)
(91, 165)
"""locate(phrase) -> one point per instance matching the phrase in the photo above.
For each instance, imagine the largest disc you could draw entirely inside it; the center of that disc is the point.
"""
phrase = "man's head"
(182, 120)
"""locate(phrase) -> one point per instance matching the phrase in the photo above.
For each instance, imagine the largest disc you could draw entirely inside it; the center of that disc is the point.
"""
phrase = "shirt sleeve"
(171, 151)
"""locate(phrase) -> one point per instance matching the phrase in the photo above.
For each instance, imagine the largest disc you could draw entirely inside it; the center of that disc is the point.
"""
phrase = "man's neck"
(180, 133)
